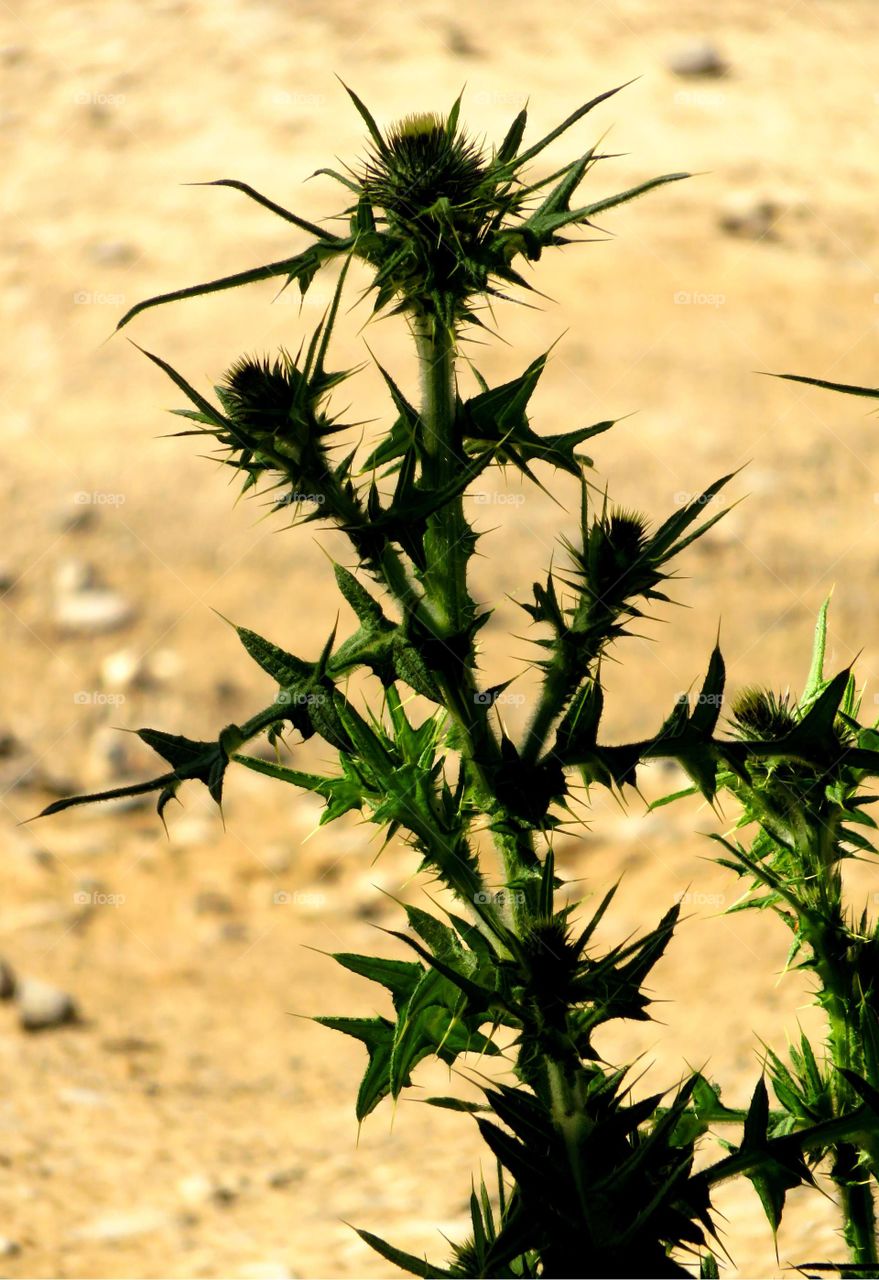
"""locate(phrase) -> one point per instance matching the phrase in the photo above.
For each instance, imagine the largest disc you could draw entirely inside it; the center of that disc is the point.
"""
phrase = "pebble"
(92, 611)
(73, 516)
(111, 754)
(112, 253)
(123, 1226)
(210, 902)
(699, 58)
(198, 1188)
(284, 1177)
(42, 1006)
(8, 578)
(122, 670)
(7, 981)
(74, 575)
(9, 1248)
(750, 216)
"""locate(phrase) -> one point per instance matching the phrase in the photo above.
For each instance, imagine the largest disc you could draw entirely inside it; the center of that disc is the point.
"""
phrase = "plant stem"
(448, 545)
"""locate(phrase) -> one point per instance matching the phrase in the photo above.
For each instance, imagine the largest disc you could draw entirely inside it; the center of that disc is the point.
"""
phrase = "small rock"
(750, 216)
(110, 754)
(73, 516)
(123, 1226)
(700, 58)
(7, 981)
(112, 253)
(284, 1177)
(210, 902)
(9, 1248)
(163, 664)
(74, 575)
(92, 611)
(42, 1006)
(8, 578)
(233, 931)
(276, 859)
(122, 670)
(198, 1188)
(83, 1097)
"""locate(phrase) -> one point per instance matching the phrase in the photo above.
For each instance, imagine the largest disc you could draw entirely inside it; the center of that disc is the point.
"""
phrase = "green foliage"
(594, 1178)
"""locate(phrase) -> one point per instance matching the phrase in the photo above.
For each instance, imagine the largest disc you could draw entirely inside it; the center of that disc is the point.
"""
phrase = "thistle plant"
(594, 1177)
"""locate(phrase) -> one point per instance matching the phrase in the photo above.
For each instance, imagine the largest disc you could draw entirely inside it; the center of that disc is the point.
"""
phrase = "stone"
(42, 1007)
(210, 902)
(74, 515)
(699, 58)
(278, 1178)
(199, 1188)
(92, 611)
(113, 1227)
(9, 1248)
(112, 253)
(74, 575)
(750, 215)
(7, 981)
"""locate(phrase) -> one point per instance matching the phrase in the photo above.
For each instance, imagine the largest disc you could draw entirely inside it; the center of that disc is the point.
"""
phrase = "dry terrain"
(191, 1124)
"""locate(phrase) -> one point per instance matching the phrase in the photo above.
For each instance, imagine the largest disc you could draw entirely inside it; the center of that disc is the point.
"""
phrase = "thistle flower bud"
(762, 714)
(424, 162)
(265, 398)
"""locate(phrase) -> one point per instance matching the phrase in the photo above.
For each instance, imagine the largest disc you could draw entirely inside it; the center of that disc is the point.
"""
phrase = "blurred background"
(185, 1122)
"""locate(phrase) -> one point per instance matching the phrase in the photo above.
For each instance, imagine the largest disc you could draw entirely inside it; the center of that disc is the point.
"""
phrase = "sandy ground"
(190, 1126)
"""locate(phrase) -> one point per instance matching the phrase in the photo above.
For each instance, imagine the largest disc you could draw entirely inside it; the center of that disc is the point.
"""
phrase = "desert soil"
(193, 1123)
